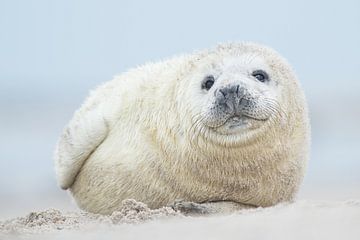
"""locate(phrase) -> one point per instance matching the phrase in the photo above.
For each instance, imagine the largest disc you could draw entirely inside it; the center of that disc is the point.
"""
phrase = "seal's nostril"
(215, 92)
(222, 92)
(237, 90)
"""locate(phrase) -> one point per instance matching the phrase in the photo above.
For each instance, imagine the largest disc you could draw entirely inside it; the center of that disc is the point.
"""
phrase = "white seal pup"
(221, 129)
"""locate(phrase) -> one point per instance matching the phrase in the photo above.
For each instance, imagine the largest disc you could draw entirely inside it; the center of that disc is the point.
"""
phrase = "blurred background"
(53, 52)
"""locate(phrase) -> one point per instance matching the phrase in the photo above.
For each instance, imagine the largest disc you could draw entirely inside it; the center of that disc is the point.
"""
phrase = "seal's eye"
(260, 75)
(208, 82)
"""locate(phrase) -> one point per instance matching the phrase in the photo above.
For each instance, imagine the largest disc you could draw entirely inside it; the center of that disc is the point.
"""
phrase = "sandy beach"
(299, 220)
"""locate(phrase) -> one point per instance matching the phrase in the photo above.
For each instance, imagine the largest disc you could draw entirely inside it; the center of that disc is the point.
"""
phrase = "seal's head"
(239, 91)
(239, 94)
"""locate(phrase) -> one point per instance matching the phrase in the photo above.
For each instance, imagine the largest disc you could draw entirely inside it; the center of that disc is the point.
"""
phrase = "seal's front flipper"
(208, 208)
(190, 208)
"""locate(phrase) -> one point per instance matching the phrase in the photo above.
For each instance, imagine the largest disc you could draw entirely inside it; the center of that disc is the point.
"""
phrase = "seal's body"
(227, 126)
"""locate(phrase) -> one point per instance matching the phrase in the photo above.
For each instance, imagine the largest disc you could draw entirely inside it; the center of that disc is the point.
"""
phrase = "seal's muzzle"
(232, 99)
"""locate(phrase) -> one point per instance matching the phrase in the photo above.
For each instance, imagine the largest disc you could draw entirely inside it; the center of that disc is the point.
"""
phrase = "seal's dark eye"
(260, 75)
(208, 82)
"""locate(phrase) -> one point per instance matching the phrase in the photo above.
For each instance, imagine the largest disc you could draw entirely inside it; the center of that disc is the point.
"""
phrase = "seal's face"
(237, 94)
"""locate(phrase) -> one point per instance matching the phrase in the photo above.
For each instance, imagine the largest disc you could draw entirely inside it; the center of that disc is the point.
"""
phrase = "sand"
(299, 220)
(50, 220)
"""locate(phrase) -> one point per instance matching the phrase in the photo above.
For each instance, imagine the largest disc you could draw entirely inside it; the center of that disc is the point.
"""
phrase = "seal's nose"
(229, 98)
(230, 90)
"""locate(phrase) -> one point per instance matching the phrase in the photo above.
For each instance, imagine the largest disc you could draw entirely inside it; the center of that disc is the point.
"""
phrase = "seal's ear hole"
(208, 82)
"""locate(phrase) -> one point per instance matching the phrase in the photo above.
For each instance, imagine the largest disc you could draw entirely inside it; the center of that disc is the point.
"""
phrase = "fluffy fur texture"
(155, 134)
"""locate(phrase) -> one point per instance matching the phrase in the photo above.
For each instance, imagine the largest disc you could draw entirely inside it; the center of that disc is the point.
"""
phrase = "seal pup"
(221, 129)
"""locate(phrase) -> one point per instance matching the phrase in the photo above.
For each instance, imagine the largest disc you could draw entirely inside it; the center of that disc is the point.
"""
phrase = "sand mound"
(133, 212)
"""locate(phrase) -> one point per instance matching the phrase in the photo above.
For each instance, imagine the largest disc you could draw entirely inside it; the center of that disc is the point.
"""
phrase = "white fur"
(133, 138)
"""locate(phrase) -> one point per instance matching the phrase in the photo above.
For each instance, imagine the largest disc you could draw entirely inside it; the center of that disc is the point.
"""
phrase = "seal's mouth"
(236, 121)
(241, 120)
(238, 124)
